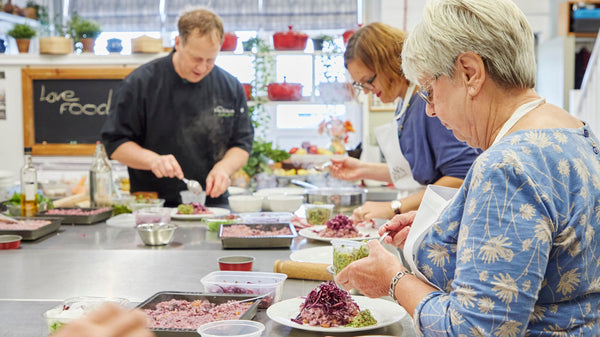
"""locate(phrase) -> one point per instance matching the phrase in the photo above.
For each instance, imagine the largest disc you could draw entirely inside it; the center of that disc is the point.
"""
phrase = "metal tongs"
(193, 185)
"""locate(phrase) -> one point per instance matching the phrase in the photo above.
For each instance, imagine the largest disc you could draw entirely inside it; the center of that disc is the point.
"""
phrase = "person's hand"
(398, 226)
(109, 320)
(371, 210)
(166, 166)
(370, 275)
(346, 168)
(217, 182)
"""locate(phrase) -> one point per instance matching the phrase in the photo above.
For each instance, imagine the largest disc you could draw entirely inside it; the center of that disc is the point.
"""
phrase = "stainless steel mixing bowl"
(156, 234)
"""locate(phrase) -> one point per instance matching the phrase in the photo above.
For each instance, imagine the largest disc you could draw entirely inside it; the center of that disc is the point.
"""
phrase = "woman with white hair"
(516, 251)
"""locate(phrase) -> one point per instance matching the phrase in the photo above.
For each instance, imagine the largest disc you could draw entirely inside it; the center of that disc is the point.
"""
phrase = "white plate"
(385, 312)
(216, 211)
(311, 233)
(314, 255)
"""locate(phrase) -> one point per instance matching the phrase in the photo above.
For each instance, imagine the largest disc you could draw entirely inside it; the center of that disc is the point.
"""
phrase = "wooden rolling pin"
(303, 270)
(71, 200)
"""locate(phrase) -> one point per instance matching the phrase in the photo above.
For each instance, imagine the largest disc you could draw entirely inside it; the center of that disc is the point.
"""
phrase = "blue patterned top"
(517, 253)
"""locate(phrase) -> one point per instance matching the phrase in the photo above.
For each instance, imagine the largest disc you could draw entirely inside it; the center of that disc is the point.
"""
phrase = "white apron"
(387, 138)
(437, 199)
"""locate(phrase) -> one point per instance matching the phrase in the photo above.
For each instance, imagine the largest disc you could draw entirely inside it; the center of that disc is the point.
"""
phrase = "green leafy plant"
(262, 153)
(264, 69)
(22, 31)
(80, 28)
(330, 49)
(34, 5)
(251, 43)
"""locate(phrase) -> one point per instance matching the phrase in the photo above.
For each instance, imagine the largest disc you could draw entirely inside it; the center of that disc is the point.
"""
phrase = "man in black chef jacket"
(181, 114)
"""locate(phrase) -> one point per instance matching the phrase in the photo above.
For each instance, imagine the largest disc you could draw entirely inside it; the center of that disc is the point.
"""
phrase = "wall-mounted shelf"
(566, 20)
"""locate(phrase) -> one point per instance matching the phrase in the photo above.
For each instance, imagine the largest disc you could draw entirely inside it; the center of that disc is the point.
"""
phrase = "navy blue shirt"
(196, 122)
(430, 148)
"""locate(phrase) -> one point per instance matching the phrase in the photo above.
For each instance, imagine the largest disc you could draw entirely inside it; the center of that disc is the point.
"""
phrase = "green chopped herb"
(364, 318)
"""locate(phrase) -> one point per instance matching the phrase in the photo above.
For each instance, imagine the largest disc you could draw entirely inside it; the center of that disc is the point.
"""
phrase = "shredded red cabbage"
(327, 306)
(339, 222)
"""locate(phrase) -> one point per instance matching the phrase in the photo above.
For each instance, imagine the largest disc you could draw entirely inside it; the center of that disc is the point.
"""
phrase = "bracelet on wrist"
(395, 280)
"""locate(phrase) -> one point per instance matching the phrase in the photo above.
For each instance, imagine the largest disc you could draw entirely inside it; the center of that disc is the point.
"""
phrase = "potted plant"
(23, 34)
(249, 44)
(53, 41)
(32, 10)
(84, 31)
(320, 40)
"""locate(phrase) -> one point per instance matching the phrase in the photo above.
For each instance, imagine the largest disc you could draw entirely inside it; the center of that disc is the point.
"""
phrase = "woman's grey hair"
(496, 30)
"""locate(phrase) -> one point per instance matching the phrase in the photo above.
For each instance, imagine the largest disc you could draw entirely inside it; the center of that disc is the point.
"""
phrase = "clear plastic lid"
(234, 328)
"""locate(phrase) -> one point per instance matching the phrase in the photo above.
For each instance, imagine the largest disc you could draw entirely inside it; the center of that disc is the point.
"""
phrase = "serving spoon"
(193, 185)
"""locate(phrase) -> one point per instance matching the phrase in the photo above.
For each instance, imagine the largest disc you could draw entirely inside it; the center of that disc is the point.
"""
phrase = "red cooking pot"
(348, 34)
(229, 42)
(289, 40)
(248, 90)
(284, 91)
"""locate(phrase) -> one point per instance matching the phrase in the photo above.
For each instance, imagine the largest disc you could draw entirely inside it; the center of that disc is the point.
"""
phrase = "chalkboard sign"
(64, 108)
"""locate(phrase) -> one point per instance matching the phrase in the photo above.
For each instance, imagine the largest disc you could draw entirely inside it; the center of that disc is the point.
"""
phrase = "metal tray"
(163, 296)
(78, 219)
(34, 234)
(278, 241)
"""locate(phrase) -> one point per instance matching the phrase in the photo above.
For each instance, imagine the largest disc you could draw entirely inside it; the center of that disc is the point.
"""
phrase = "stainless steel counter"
(99, 260)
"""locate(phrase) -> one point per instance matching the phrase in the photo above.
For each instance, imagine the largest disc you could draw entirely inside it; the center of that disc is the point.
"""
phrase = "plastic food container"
(233, 328)
(152, 215)
(214, 224)
(189, 197)
(76, 307)
(346, 252)
(318, 214)
(146, 203)
(243, 282)
(289, 40)
(122, 205)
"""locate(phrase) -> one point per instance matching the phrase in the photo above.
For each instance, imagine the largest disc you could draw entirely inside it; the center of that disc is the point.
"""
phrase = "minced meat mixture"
(181, 314)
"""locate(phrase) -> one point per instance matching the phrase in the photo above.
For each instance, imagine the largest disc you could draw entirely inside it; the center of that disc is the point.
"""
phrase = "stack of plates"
(7, 179)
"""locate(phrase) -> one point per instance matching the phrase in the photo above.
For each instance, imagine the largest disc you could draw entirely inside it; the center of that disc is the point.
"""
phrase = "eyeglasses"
(426, 91)
(368, 85)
